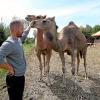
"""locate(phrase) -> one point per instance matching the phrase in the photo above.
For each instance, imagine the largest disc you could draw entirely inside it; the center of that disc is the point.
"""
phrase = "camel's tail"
(83, 52)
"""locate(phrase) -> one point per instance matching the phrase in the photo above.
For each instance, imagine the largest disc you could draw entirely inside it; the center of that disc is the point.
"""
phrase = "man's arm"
(5, 50)
(25, 33)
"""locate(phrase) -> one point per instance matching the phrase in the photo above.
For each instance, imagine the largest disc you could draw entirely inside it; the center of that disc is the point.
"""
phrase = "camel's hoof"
(73, 71)
(77, 74)
(41, 80)
(45, 74)
(86, 78)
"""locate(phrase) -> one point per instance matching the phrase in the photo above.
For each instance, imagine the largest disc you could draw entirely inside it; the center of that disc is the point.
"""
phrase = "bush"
(29, 40)
(3, 33)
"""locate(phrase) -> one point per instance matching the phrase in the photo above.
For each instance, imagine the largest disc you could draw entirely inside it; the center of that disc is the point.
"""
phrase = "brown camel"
(71, 40)
(42, 45)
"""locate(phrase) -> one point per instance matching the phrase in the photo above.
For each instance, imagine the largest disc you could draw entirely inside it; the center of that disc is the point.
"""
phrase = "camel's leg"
(40, 64)
(44, 61)
(48, 56)
(73, 57)
(78, 62)
(84, 56)
(48, 60)
(61, 54)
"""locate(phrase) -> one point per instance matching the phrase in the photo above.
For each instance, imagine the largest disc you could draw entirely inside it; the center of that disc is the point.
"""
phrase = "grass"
(27, 48)
(2, 77)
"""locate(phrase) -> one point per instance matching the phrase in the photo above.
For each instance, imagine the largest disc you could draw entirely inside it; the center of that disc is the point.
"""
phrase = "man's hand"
(9, 68)
(11, 71)
(31, 24)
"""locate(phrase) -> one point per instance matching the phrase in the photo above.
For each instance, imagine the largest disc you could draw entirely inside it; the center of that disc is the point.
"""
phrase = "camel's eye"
(44, 21)
(38, 17)
(34, 22)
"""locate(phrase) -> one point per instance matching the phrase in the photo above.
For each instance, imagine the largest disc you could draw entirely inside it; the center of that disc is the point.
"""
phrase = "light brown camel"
(42, 46)
(71, 40)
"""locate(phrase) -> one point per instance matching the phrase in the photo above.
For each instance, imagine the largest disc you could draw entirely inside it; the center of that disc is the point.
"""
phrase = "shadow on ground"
(70, 92)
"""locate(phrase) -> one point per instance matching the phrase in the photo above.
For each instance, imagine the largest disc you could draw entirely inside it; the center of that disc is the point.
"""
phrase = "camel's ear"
(57, 27)
(44, 16)
(28, 15)
(38, 17)
(53, 18)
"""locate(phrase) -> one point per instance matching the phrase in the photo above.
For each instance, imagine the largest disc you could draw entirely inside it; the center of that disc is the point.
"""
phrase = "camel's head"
(71, 23)
(33, 17)
(46, 23)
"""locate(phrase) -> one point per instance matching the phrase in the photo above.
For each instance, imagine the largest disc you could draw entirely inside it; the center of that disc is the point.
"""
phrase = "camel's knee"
(63, 70)
(40, 67)
(73, 71)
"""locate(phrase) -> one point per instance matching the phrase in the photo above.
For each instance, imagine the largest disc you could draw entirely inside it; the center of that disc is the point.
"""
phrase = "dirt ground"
(80, 90)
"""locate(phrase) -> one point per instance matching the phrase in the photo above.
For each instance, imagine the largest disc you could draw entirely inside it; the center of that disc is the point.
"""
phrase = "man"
(15, 62)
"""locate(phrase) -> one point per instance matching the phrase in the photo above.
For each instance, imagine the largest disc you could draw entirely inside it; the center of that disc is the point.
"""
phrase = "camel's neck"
(40, 42)
(40, 35)
(53, 41)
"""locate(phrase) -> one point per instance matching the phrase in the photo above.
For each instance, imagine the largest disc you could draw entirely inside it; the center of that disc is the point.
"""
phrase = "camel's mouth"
(26, 18)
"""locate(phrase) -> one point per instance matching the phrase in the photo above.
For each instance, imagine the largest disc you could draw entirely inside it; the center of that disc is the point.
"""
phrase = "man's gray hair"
(15, 22)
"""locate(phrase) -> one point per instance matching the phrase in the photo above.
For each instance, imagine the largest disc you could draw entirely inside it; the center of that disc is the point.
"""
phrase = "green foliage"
(7, 31)
(28, 47)
(29, 40)
(84, 31)
(2, 73)
(3, 32)
(88, 30)
(96, 28)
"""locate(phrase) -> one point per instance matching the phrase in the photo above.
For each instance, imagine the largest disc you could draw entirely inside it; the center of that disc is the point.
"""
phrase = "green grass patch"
(2, 76)
(2, 73)
(27, 47)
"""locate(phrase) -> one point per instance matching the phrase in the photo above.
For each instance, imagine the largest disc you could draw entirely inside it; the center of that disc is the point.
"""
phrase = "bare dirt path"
(83, 90)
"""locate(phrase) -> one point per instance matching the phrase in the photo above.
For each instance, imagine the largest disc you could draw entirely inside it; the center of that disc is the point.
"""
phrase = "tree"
(2, 33)
(87, 31)
(96, 28)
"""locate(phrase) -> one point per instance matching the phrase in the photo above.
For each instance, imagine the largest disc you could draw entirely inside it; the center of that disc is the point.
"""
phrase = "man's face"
(20, 30)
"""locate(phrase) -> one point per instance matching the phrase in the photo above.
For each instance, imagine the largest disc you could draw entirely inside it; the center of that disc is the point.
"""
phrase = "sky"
(82, 12)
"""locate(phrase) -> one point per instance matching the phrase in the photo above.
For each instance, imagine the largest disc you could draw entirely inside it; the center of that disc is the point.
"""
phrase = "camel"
(42, 46)
(71, 40)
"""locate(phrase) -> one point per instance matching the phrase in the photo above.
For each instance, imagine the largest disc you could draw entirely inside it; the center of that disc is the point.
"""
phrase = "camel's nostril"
(44, 21)
(26, 18)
